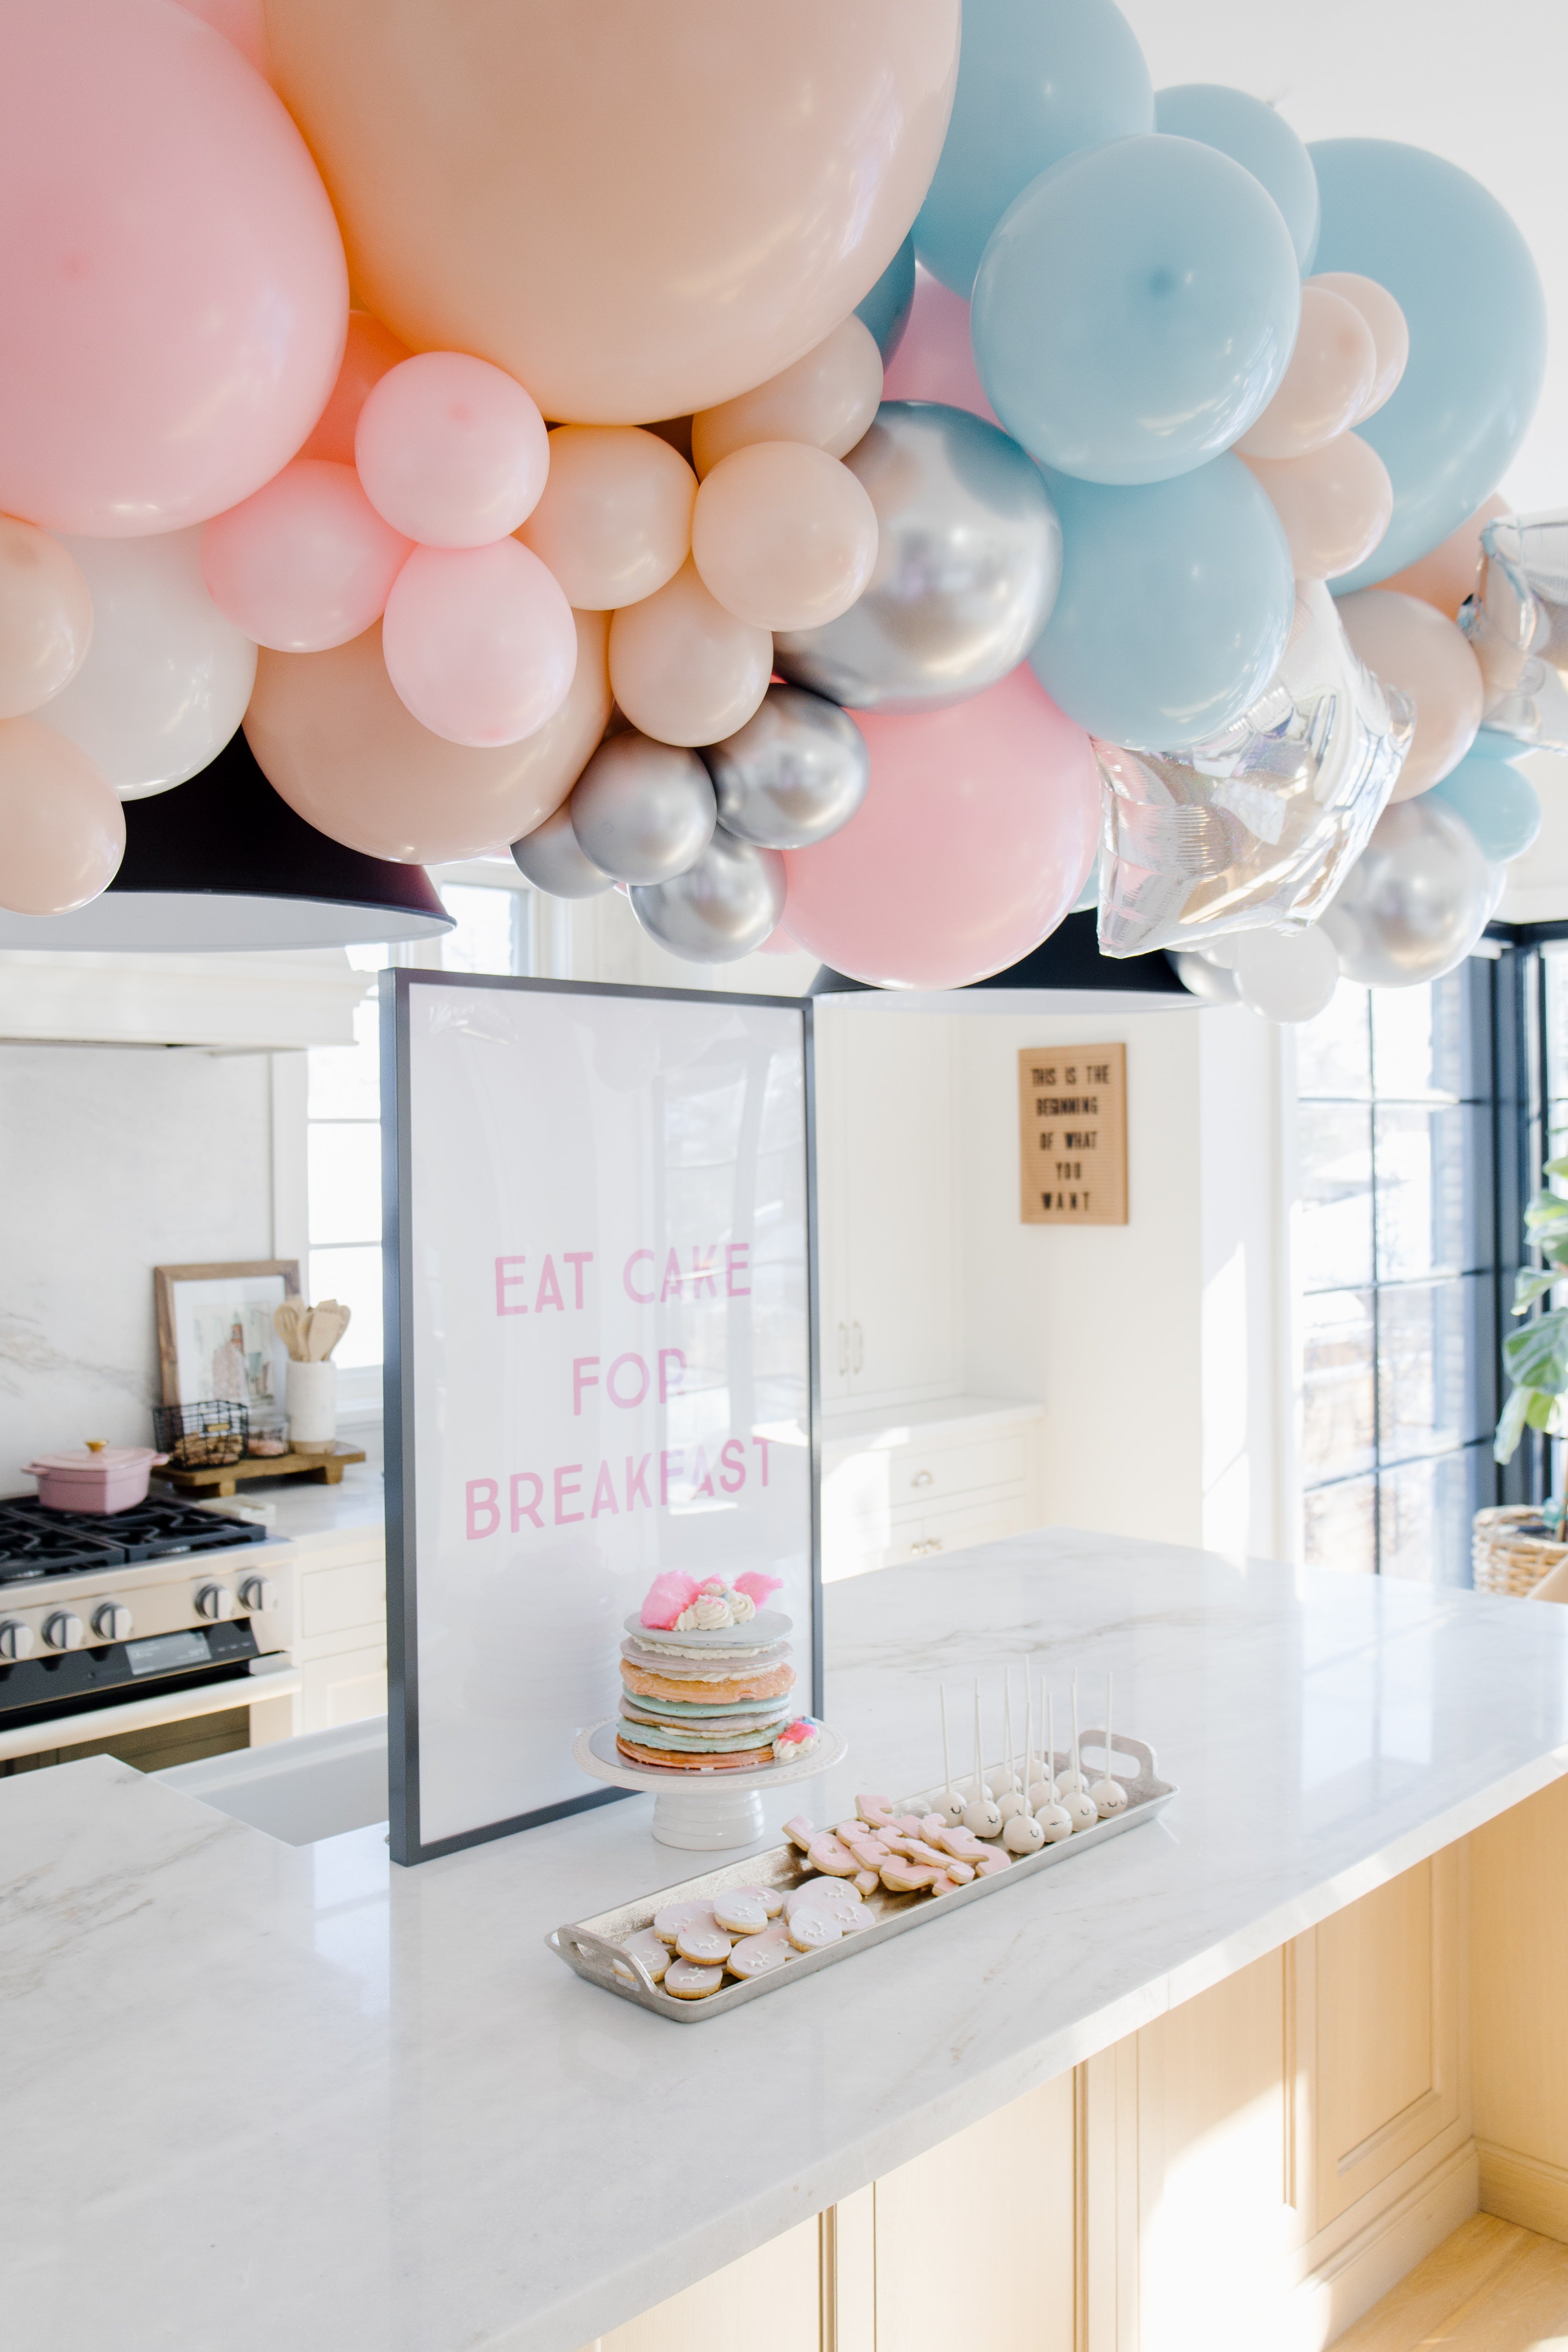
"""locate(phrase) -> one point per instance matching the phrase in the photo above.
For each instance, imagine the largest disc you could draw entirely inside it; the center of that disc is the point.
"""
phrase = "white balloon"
(166, 677)
(1286, 975)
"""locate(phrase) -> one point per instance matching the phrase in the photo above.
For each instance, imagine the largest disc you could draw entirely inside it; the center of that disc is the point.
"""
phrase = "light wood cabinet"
(339, 1642)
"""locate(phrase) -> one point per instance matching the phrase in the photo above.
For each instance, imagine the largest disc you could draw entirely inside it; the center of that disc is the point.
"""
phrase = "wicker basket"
(1506, 1561)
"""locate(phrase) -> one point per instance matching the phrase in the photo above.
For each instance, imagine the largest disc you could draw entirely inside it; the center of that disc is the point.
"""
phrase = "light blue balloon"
(886, 310)
(1463, 276)
(1174, 606)
(1036, 80)
(1256, 136)
(1491, 743)
(1135, 309)
(1501, 808)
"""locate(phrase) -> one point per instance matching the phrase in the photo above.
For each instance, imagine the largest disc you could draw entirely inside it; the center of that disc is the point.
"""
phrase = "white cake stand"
(701, 1811)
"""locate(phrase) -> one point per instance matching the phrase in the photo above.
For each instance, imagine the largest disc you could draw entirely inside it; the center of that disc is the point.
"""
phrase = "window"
(1395, 1275)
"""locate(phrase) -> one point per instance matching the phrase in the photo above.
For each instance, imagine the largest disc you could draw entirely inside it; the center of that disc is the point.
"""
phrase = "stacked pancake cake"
(706, 1679)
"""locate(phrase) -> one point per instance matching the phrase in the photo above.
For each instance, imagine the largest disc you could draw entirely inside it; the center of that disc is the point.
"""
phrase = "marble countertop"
(301, 1510)
(268, 2094)
(846, 1428)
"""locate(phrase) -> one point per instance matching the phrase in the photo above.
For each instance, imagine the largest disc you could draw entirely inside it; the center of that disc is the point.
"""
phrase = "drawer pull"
(843, 1348)
(860, 1349)
(927, 1544)
(921, 1479)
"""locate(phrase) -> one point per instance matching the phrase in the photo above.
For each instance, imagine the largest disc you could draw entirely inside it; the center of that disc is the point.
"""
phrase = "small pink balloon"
(46, 616)
(305, 564)
(243, 22)
(452, 451)
(1390, 330)
(62, 827)
(371, 352)
(1409, 644)
(479, 642)
(935, 361)
(779, 942)
(975, 836)
(1334, 504)
(1452, 571)
(173, 290)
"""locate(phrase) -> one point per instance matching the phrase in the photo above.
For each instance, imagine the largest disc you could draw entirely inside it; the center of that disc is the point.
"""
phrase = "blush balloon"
(974, 838)
(783, 535)
(1451, 573)
(934, 359)
(1334, 504)
(613, 522)
(1385, 321)
(1409, 645)
(46, 618)
(479, 642)
(684, 671)
(175, 304)
(306, 563)
(242, 22)
(452, 451)
(62, 829)
(1327, 385)
(828, 399)
(370, 353)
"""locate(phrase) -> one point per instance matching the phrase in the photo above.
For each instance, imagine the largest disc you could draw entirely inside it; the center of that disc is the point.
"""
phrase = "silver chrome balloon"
(1516, 622)
(968, 563)
(1260, 825)
(553, 858)
(721, 909)
(793, 774)
(643, 811)
(1415, 901)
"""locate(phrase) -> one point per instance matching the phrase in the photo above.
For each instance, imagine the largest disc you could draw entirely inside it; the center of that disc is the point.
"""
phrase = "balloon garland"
(832, 485)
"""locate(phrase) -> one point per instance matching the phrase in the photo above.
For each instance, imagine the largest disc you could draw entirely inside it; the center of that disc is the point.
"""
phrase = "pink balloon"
(371, 352)
(974, 838)
(779, 942)
(452, 451)
(934, 359)
(479, 642)
(243, 22)
(172, 283)
(305, 564)
(62, 827)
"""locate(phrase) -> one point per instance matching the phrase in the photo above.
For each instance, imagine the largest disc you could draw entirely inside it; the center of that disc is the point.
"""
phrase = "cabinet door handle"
(860, 1349)
(927, 1544)
(843, 1347)
(921, 1479)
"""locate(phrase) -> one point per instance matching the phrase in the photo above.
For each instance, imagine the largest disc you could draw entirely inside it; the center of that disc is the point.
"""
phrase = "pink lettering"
(627, 1402)
(734, 1448)
(672, 1278)
(563, 1493)
(643, 1298)
(703, 1485)
(737, 1260)
(637, 1487)
(666, 1356)
(480, 1497)
(582, 1378)
(528, 1510)
(763, 1442)
(577, 1260)
(604, 1493)
(548, 1288)
(505, 1282)
(665, 1472)
(703, 1280)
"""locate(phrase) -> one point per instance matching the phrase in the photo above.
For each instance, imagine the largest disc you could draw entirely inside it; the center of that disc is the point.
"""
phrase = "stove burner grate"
(36, 1542)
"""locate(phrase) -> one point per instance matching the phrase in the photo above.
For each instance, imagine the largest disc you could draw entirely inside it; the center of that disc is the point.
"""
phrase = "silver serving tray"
(594, 1947)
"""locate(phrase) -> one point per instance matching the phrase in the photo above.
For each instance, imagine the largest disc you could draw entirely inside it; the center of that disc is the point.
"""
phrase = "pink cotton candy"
(757, 1587)
(667, 1595)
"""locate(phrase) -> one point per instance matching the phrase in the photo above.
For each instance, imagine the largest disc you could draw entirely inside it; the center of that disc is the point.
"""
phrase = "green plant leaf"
(1554, 1249)
(1510, 1428)
(1542, 1409)
(1537, 1356)
(1546, 1209)
(1556, 1168)
(1530, 1282)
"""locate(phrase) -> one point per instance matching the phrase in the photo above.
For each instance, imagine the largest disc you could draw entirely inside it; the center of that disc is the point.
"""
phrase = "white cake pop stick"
(1073, 1776)
(1023, 1833)
(1108, 1795)
(1009, 1785)
(1080, 1806)
(1054, 1821)
(949, 1804)
(1042, 1784)
(981, 1814)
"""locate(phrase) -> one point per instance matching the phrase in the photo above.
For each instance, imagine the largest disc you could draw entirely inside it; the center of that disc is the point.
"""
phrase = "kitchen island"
(1221, 2081)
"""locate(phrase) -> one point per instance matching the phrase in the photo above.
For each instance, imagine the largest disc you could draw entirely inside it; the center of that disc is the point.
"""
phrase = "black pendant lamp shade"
(1065, 974)
(221, 862)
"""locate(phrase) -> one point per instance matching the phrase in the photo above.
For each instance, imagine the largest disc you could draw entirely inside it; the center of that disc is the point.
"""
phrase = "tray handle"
(601, 1961)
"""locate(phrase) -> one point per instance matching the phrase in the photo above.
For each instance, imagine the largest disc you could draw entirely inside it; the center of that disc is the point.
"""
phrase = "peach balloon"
(683, 669)
(934, 359)
(1450, 573)
(452, 451)
(172, 285)
(1334, 504)
(637, 212)
(370, 353)
(243, 22)
(1326, 386)
(1409, 645)
(1390, 334)
(783, 535)
(305, 564)
(479, 642)
(62, 829)
(615, 520)
(828, 398)
(46, 616)
(332, 738)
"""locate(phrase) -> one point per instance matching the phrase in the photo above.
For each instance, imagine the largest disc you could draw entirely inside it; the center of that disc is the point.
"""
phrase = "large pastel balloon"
(334, 739)
(685, 670)
(1409, 645)
(1175, 609)
(886, 310)
(1135, 309)
(1334, 504)
(724, 906)
(1452, 571)
(306, 563)
(370, 353)
(615, 519)
(1501, 808)
(555, 861)
(167, 677)
(172, 291)
(62, 831)
(968, 558)
(452, 451)
(1258, 137)
(1038, 79)
(479, 642)
(1415, 901)
(795, 772)
(783, 535)
(973, 840)
(243, 22)
(936, 360)
(1286, 975)
(46, 616)
(636, 216)
(828, 398)
(643, 812)
(1327, 385)
(1462, 274)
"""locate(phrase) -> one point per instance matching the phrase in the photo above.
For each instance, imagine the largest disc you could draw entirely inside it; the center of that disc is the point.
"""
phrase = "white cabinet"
(340, 1646)
(932, 1478)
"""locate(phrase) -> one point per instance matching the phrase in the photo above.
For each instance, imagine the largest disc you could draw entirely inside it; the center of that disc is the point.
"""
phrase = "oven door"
(169, 1698)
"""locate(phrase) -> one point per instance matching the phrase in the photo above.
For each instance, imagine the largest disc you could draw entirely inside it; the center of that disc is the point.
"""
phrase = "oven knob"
(258, 1593)
(215, 1601)
(16, 1639)
(63, 1630)
(111, 1621)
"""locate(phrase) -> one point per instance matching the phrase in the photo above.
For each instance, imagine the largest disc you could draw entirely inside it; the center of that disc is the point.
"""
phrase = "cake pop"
(1042, 1786)
(949, 1804)
(1009, 1786)
(981, 1814)
(1073, 1776)
(1023, 1833)
(1108, 1795)
(1081, 1809)
(1054, 1821)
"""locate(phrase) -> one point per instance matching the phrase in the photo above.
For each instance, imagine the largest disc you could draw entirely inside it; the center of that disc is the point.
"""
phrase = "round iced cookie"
(687, 1981)
(650, 1949)
(704, 1942)
(838, 1896)
(740, 1912)
(669, 1921)
(757, 1956)
(813, 1930)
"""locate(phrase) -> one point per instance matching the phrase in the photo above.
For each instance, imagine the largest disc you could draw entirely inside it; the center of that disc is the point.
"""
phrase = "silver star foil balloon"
(721, 907)
(969, 559)
(1516, 622)
(1260, 824)
(554, 859)
(793, 774)
(1415, 901)
(642, 811)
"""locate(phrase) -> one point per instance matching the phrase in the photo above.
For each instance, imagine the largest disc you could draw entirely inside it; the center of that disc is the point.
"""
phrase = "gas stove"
(36, 1542)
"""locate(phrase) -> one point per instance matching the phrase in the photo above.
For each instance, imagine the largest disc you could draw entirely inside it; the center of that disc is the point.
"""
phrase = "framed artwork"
(214, 1331)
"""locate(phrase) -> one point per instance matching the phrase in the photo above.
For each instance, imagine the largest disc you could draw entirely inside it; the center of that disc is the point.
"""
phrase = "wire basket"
(205, 1437)
(1503, 1560)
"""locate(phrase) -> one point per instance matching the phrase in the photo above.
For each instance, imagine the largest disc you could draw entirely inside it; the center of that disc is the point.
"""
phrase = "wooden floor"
(1491, 2287)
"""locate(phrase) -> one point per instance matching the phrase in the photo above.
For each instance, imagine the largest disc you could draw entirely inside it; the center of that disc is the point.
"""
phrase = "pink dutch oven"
(95, 1478)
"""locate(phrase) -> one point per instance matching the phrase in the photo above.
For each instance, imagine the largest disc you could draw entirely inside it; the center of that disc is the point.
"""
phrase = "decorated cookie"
(988, 1864)
(688, 1981)
(704, 1941)
(961, 1873)
(650, 1949)
(669, 1921)
(902, 1877)
(831, 1854)
(815, 1930)
(962, 1844)
(740, 1913)
(865, 1881)
(878, 1811)
(757, 1956)
(800, 1831)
